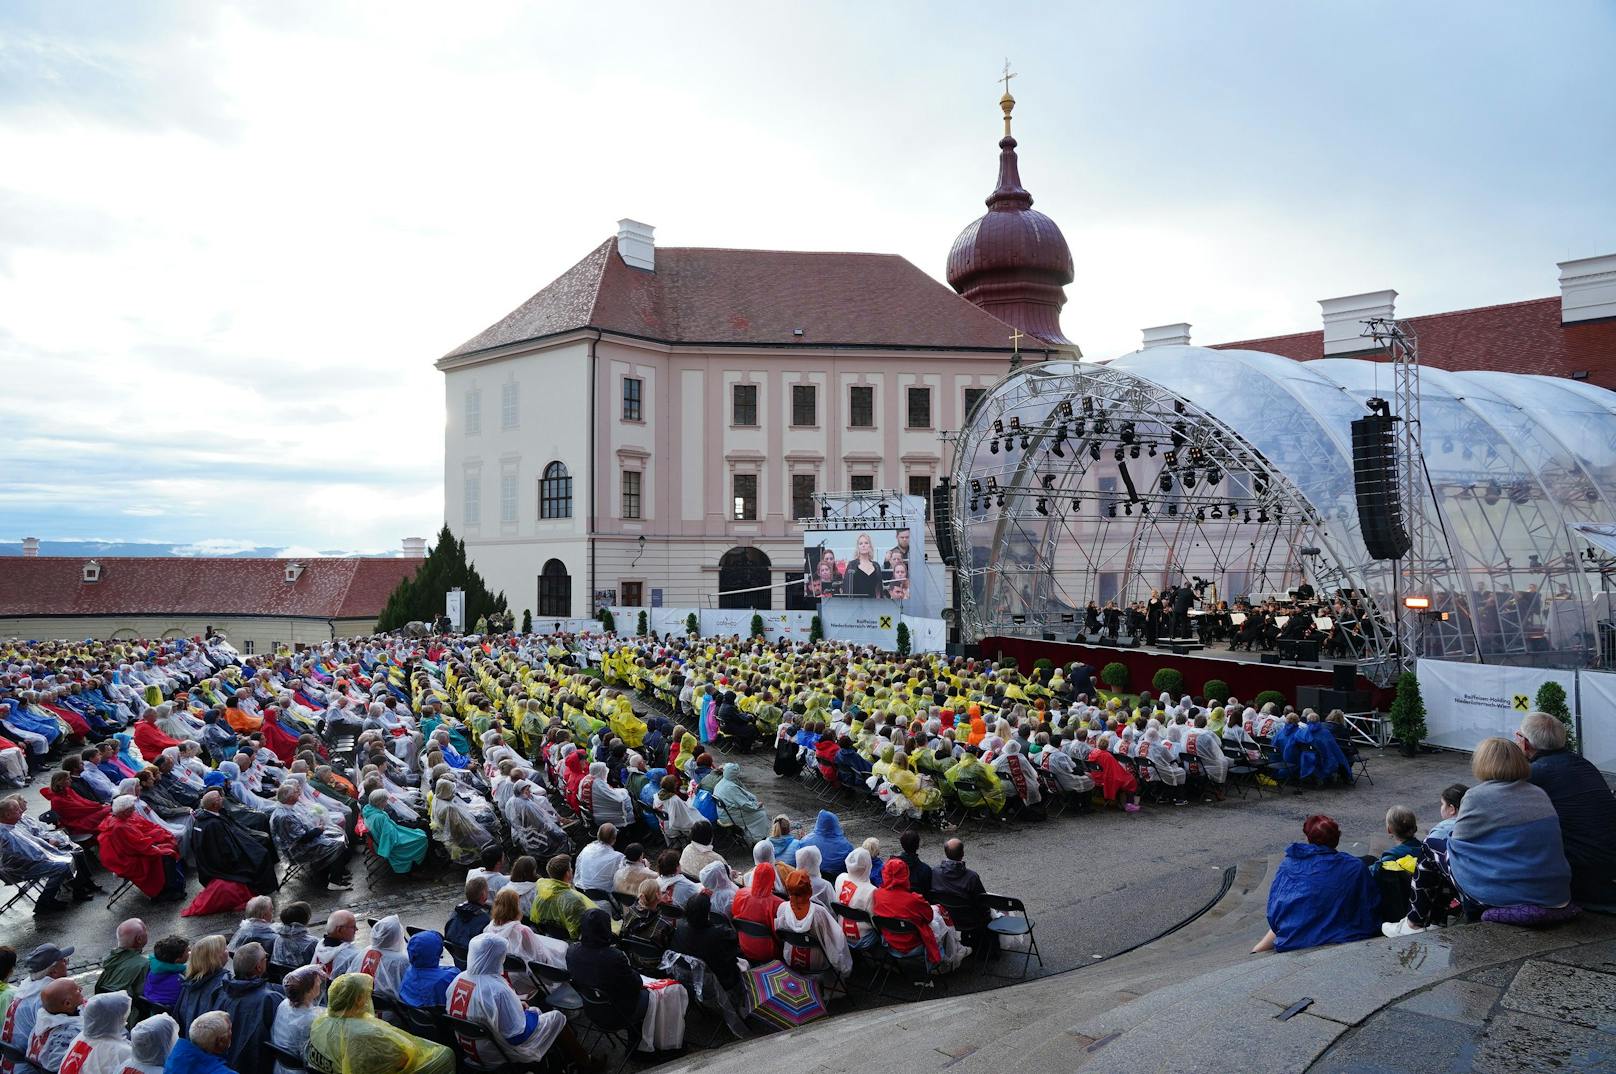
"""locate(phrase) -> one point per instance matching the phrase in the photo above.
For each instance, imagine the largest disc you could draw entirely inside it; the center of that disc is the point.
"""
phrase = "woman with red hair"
(1320, 895)
(75, 813)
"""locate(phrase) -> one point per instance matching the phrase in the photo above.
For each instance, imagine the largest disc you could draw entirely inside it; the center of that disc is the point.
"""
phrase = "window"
(474, 412)
(631, 398)
(920, 485)
(507, 497)
(861, 406)
(507, 406)
(1108, 496)
(802, 495)
(555, 492)
(746, 497)
(919, 408)
(861, 483)
(745, 409)
(474, 498)
(1110, 586)
(631, 494)
(248, 646)
(804, 404)
(555, 589)
(633, 595)
(973, 399)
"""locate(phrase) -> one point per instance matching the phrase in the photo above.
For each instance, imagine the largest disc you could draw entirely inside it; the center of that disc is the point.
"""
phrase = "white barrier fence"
(852, 622)
(1466, 702)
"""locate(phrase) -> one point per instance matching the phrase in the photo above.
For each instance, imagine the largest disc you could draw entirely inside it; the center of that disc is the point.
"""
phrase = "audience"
(1319, 895)
(102, 1044)
(470, 917)
(126, 965)
(385, 959)
(289, 1030)
(203, 988)
(251, 1003)
(348, 1038)
(165, 974)
(204, 1047)
(598, 862)
(1583, 803)
(150, 1043)
(57, 1024)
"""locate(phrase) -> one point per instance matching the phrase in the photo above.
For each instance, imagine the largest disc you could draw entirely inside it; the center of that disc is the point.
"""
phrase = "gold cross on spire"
(1015, 347)
(1007, 76)
(1007, 102)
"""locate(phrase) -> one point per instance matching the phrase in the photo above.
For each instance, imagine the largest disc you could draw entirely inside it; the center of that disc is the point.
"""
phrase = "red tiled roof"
(346, 588)
(700, 295)
(1517, 337)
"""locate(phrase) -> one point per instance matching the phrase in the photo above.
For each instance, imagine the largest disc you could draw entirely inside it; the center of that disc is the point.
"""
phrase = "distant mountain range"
(230, 549)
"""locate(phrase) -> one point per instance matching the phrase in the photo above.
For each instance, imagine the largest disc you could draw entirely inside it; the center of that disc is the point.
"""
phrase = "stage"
(1245, 673)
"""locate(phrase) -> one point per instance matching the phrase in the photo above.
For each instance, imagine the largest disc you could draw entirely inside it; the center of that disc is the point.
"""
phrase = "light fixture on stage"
(1178, 406)
(1088, 405)
(1060, 439)
(1133, 451)
(1094, 450)
(1049, 481)
(1127, 509)
(1001, 499)
(1166, 481)
(1144, 509)
(1171, 458)
(1110, 510)
(1178, 437)
(1279, 511)
(1153, 449)
(1172, 509)
(1200, 514)
(1217, 512)
(1188, 477)
(1077, 504)
(1248, 514)
(1233, 508)
(882, 507)
(1417, 604)
(824, 511)
(1043, 506)
(1118, 453)
(1080, 427)
(1213, 476)
(1126, 431)
(1015, 428)
(1262, 514)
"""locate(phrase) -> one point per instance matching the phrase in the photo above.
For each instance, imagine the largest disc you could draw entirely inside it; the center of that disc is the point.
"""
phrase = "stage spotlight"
(1094, 450)
(1178, 437)
(976, 487)
(1248, 516)
(1262, 514)
(1217, 512)
(1166, 481)
(1063, 409)
(1077, 504)
(1043, 506)
(1001, 499)
(1172, 509)
(1178, 406)
(973, 503)
(1188, 477)
(1118, 453)
(1144, 509)
(1088, 405)
(1200, 514)
(1049, 481)
(1133, 451)
(824, 512)
(1153, 449)
(1213, 476)
(1126, 432)
(1232, 509)
(882, 507)
(1279, 511)
(1111, 510)
(1171, 458)
(1127, 509)
(993, 445)
(1080, 427)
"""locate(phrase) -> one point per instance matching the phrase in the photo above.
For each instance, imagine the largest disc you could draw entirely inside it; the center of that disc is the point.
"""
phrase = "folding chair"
(120, 892)
(1009, 925)
(293, 870)
(808, 941)
(27, 888)
(758, 931)
(1357, 762)
(477, 1047)
(911, 968)
(641, 952)
(602, 899)
(423, 1022)
(848, 915)
(608, 1021)
(558, 992)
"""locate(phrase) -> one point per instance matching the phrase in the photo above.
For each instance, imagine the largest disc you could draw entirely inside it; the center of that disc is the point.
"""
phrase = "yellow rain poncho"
(349, 1039)
(989, 792)
(625, 725)
(922, 797)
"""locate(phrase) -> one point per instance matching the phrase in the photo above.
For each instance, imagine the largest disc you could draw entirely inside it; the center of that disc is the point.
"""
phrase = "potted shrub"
(607, 623)
(1551, 698)
(1043, 667)
(1408, 714)
(645, 623)
(903, 639)
(757, 625)
(816, 630)
(1266, 696)
(1216, 691)
(692, 624)
(527, 620)
(1169, 679)
(1115, 676)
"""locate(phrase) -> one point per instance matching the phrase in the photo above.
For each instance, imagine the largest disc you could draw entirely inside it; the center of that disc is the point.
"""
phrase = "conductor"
(1183, 597)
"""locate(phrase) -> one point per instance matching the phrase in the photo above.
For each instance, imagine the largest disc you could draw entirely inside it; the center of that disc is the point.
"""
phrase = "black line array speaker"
(1322, 700)
(1374, 475)
(1344, 676)
(942, 521)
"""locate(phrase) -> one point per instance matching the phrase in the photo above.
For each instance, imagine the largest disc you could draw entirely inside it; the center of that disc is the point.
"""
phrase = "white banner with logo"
(926, 635)
(861, 621)
(1598, 707)
(666, 621)
(1465, 702)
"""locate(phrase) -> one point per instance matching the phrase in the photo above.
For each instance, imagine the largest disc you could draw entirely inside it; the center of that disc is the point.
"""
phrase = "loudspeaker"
(942, 524)
(1374, 476)
(1344, 676)
(1270, 658)
(1297, 649)
(1322, 700)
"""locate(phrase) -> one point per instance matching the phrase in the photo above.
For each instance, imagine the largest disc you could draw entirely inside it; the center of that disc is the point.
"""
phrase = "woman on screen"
(823, 583)
(898, 583)
(863, 576)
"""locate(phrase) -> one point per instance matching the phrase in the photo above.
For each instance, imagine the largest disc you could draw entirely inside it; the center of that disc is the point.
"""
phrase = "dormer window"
(92, 571)
(293, 571)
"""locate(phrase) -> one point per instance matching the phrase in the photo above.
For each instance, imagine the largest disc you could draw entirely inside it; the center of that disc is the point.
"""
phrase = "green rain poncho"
(349, 1039)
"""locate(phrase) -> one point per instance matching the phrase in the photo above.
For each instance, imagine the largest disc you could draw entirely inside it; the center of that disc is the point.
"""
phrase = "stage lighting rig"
(1126, 431)
(1094, 450)
(1119, 453)
(1049, 481)
(1043, 506)
(1166, 481)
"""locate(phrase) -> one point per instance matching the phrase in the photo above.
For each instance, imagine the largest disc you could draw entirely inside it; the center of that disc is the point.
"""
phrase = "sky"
(234, 238)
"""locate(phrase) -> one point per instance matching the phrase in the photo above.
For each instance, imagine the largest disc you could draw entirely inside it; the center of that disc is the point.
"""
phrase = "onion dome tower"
(1013, 261)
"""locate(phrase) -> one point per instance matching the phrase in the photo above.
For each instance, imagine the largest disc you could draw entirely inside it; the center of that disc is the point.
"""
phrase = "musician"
(1153, 617)
(1091, 618)
(1113, 619)
(1304, 594)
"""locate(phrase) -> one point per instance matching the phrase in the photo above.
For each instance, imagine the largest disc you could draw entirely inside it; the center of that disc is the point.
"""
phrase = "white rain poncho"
(456, 826)
(150, 1042)
(1209, 752)
(1014, 769)
(482, 995)
(1161, 759)
(386, 959)
(102, 1046)
(241, 787)
(853, 888)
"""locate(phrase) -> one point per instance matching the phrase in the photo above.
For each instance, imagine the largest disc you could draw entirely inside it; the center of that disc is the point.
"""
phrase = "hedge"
(1215, 690)
(1169, 679)
(1115, 675)
(1269, 695)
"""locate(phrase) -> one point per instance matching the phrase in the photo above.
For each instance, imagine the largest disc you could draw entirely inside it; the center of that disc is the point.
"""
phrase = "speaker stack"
(942, 521)
(1374, 475)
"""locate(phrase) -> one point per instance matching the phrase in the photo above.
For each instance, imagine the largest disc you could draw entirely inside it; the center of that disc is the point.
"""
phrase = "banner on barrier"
(861, 622)
(1466, 702)
(1597, 733)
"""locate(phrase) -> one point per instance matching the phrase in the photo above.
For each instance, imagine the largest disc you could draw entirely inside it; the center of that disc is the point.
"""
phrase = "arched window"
(555, 492)
(743, 579)
(555, 589)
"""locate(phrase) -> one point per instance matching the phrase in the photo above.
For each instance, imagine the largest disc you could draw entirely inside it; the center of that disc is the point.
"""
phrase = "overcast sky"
(233, 239)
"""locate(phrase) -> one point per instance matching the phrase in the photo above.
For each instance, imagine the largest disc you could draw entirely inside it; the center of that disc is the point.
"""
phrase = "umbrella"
(785, 998)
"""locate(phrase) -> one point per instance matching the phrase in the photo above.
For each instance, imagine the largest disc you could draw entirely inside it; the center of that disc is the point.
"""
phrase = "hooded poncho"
(403, 848)
(896, 900)
(741, 804)
(385, 960)
(801, 913)
(426, 982)
(349, 1039)
(828, 838)
(853, 888)
(150, 1042)
(483, 995)
(101, 1047)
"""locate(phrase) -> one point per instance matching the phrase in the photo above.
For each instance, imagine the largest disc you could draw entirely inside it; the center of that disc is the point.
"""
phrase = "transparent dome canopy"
(1232, 471)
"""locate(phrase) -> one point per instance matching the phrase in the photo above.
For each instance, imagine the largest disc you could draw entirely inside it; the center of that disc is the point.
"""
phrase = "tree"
(607, 622)
(527, 620)
(1408, 713)
(816, 630)
(1216, 691)
(1551, 699)
(757, 625)
(692, 624)
(645, 623)
(903, 639)
(1115, 675)
(420, 597)
(1170, 680)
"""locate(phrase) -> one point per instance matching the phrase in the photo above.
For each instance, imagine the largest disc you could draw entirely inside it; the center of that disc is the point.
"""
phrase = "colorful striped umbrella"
(783, 997)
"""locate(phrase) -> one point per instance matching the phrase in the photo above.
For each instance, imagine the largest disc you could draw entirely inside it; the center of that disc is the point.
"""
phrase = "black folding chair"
(608, 1021)
(912, 967)
(602, 899)
(556, 986)
(1010, 925)
(809, 941)
(870, 952)
(423, 1022)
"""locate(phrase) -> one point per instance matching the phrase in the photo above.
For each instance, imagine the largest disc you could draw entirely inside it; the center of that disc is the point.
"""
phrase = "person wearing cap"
(46, 963)
(125, 967)
(57, 1025)
(102, 1044)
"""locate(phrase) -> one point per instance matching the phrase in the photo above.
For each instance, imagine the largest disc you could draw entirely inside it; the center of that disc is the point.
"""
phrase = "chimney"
(1167, 335)
(30, 546)
(1344, 320)
(1588, 289)
(415, 548)
(636, 244)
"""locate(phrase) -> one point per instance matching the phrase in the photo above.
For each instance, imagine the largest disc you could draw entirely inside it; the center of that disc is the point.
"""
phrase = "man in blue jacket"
(1584, 803)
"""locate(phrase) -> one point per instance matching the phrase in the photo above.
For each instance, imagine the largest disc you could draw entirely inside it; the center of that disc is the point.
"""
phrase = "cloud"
(233, 238)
